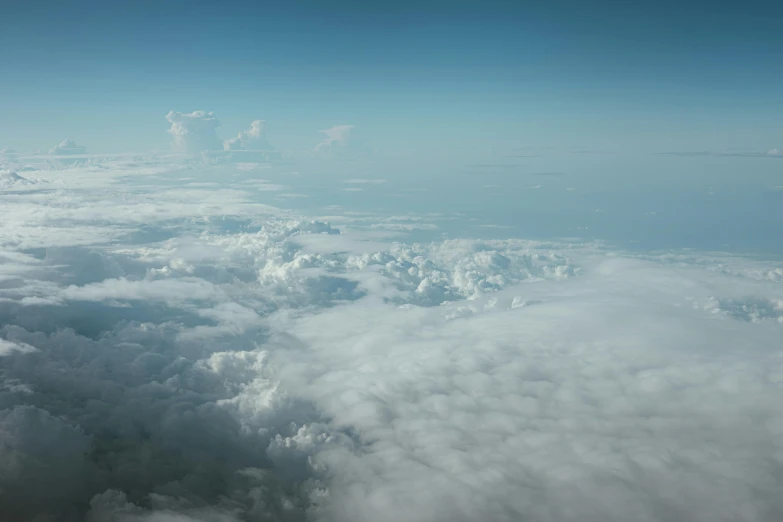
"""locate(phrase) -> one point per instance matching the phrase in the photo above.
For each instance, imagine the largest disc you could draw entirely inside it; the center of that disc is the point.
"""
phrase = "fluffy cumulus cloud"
(253, 142)
(177, 352)
(194, 132)
(252, 139)
(67, 148)
(10, 179)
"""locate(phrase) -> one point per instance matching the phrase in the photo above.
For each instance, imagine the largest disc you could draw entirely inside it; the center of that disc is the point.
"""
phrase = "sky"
(415, 262)
(438, 76)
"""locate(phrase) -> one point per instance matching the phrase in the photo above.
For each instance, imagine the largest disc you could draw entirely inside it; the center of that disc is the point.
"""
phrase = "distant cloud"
(495, 166)
(772, 153)
(9, 154)
(67, 148)
(590, 151)
(172, 350)
(10, 179)
(365, 181)
(195, 131)
(340, 142)
(253, 140)
(337, 136)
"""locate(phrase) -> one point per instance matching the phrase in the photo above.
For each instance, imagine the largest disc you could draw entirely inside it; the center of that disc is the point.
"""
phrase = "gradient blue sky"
(435, 76)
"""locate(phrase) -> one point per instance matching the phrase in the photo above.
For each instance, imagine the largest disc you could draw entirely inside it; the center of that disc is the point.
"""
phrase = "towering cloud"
(67, 148)
(195, 131)
(338, 141)
(253, 140)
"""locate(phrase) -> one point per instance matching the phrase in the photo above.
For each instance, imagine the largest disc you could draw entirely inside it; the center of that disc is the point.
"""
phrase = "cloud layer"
(175, 350)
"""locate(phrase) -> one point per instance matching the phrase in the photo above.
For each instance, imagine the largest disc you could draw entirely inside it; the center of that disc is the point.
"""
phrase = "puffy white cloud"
(253, 144)
(340, 143)
(194, 132)
(10, 180)
(252, 139)
(174, 352)
(603, 398)
(67, 148)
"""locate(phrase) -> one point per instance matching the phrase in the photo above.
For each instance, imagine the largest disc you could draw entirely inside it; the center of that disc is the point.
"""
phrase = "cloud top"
(338, 141)
(67, 148)
(194, 132)
(253, 142)
(253, 138)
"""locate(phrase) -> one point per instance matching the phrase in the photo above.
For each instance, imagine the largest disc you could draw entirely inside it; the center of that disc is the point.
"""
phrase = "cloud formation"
(773, 153)
(253, 141)
(175, 352)
(67, 148)
(10, 179)
(339, 142)
(194, 132)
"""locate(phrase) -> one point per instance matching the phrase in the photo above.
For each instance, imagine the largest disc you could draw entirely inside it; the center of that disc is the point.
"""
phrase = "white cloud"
(611, 403)
(775, 152)
(252, 144)
(194, 132)
(358, 181)
(8, 347)
(11, 180)
(340, 143)
(176, 352)
(337, 136)
(67, 148)
(252, 139)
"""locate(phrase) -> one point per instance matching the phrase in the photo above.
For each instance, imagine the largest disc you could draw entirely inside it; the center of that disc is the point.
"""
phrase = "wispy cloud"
(772, 153)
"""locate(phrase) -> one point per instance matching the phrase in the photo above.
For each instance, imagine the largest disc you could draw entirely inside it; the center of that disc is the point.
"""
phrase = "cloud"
(10, 179)
(8, 156)
(340, 143)
(67, 148)
(576, 402)
(337, 136)
(253, 143)
(359, 181)
(773, 153)
(252, 139)
(7, 347)
(179, 353)
(194, 132)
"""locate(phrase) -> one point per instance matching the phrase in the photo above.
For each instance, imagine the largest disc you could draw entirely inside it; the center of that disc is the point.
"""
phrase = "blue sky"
(434, 76)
